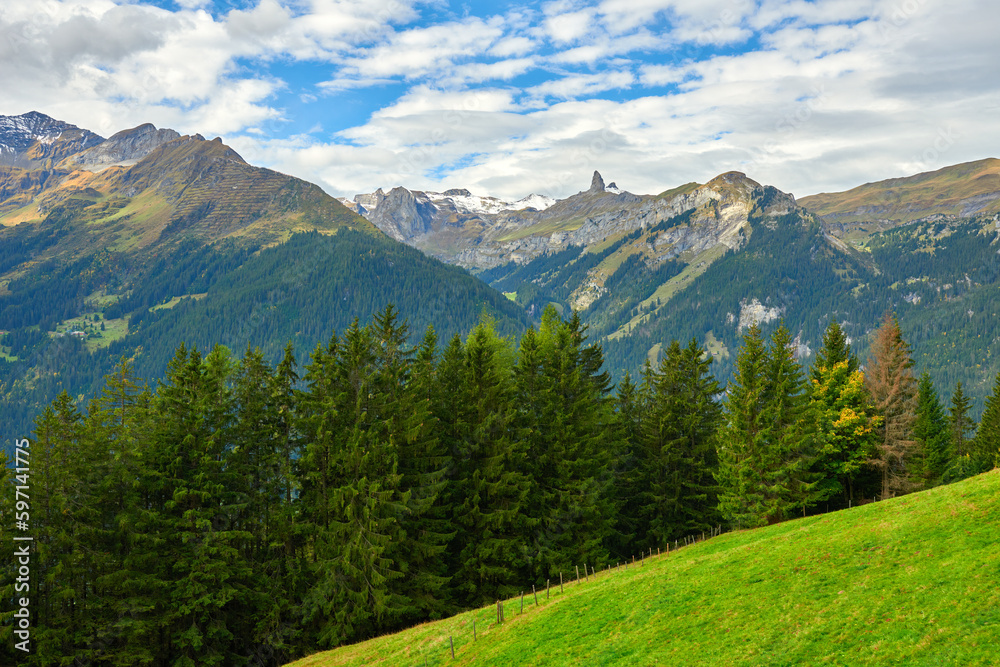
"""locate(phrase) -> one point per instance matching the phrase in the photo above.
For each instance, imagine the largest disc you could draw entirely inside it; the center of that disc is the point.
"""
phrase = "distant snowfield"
(471, 203)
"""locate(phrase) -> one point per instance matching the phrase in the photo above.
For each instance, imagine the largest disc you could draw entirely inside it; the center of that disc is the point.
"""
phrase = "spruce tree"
(568, 421)
(353, 470)
(625, 483)
(678, 487)
(56, 493)
(768, 443)
(190, 547)
(489, 479)
(960, 424)
(116, 436)
(745, 499)
(931, 430)
(405, 420)
(986, 446)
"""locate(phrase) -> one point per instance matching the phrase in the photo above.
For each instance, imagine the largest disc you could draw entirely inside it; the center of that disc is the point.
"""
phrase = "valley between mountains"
(127, 244)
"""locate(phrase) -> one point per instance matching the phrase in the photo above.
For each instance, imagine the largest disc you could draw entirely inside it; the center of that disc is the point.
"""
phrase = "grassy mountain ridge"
(903, 581)
(962, 190)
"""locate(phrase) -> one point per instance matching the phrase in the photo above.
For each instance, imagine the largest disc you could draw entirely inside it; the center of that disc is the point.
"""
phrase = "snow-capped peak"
(465, 201)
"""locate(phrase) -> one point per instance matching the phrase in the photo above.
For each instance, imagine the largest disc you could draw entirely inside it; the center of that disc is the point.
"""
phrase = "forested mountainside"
(704, 261)
(130, 245)
(242, 511)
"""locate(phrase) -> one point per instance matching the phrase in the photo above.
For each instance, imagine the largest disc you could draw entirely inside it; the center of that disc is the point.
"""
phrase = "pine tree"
(680, 455)
(353, 472)
(490, 483)
(960, 424)
(986, 445)
(190, 548)
(568, 421)
(931, 430)
(890, 382)
(744, 497)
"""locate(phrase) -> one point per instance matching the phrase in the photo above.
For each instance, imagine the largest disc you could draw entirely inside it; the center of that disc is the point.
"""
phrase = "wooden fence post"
(452, 642)
(522, 602)
(474, 638)
(560, 582)
(577, 573)
(547, 582)
(535, 594)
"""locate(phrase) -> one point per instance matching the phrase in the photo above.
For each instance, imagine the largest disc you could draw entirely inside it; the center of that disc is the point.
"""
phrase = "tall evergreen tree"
(890, 382)
(625, 484)
(117, 434)
(567, 421)
(745, 497)
(678, 487)
(766, 446)
(56, 494)
(960, 424)
(353, 467)
(489, 481)
(931, 430)
(986, 446)
(835, 350)
(405, 421)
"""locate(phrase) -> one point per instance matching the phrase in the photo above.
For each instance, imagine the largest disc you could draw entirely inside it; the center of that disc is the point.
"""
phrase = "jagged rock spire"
(597, 183)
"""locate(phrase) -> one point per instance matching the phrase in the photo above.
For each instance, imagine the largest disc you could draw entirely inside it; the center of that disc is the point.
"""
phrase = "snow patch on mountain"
(465, 201)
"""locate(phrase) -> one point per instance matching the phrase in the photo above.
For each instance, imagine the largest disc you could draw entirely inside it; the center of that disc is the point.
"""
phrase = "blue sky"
(513, 98)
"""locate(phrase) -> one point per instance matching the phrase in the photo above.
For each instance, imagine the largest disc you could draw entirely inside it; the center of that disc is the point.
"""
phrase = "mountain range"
(129, 245)
(704, 260)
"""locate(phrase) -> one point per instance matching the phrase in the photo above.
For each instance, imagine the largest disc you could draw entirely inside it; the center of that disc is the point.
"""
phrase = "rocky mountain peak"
(123, 148)
(596, 183)
(457, 192)
(30, 139)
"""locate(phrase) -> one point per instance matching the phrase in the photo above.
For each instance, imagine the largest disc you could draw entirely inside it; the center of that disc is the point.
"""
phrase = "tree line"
(244, 513)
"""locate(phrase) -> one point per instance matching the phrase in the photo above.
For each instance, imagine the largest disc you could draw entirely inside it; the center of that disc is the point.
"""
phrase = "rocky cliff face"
(123, 149)
(440, 225)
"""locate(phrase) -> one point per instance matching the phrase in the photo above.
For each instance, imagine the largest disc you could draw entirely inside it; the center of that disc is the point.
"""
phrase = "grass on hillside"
(908, 581)
(904, 199)
(93, 337)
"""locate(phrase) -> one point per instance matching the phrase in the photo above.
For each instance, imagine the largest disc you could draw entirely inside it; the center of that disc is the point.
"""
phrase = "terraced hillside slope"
(907, 581)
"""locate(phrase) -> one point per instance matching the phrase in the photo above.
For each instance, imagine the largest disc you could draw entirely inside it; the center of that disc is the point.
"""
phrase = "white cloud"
(829, 93)
(579, 85)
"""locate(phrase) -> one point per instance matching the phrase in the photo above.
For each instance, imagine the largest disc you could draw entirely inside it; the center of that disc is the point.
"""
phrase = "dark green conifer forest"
(239, 512)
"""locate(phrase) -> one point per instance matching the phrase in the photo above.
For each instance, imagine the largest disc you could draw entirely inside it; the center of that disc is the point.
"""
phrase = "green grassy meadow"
(908, 581)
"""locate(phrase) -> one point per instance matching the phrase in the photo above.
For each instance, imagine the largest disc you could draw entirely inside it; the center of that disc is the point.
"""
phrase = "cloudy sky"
(512, 98)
